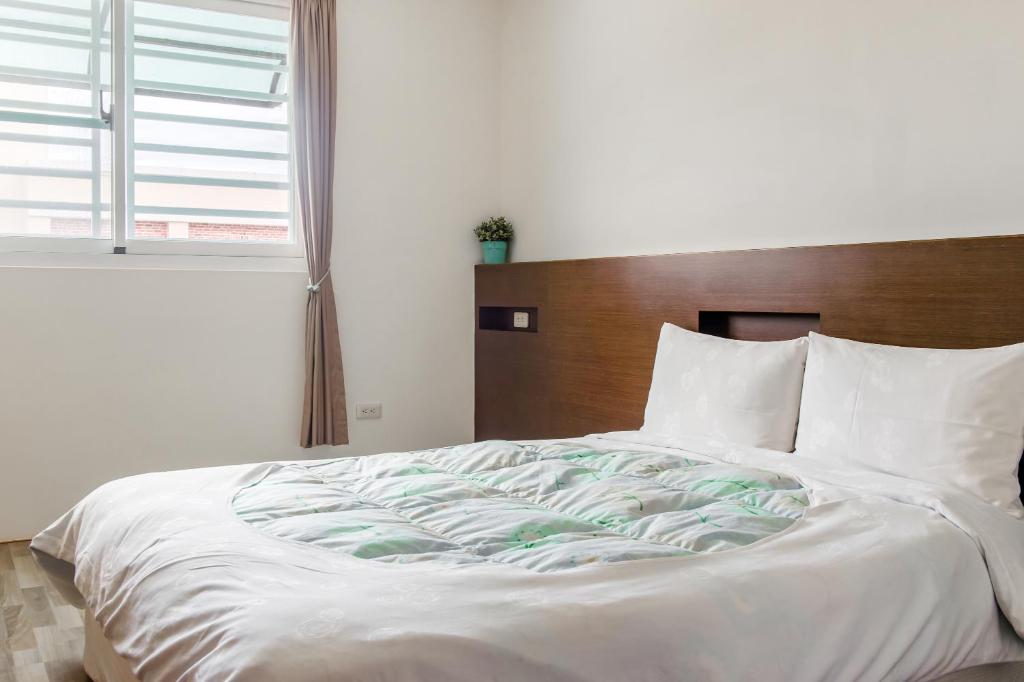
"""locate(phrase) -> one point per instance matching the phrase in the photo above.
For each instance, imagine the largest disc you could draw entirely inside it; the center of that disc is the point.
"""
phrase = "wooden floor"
(41, 636)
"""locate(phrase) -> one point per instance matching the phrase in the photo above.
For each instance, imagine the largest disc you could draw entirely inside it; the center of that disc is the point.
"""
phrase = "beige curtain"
(314, 58)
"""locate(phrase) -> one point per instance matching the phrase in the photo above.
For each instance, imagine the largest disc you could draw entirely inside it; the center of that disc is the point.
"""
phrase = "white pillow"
(953, 417)
(745, 392)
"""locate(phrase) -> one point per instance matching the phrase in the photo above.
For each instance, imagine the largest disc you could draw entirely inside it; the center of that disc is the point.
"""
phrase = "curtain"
(314, 85)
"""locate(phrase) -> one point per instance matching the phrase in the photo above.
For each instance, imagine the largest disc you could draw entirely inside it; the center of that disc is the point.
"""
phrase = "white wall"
(105, 373)
(109, 372)
(656, 126)
(417, 169)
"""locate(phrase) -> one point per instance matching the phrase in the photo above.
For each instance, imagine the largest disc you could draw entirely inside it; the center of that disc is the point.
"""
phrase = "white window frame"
(123, 84)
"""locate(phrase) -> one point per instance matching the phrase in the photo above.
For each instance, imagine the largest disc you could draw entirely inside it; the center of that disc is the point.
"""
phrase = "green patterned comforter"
(544, 507)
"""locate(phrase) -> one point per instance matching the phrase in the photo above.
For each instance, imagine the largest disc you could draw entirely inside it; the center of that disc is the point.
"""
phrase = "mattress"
(103, 664)
(613, 557)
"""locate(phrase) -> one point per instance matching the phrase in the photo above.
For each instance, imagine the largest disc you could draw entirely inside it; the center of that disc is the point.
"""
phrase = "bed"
(756, 565)
(622, 555)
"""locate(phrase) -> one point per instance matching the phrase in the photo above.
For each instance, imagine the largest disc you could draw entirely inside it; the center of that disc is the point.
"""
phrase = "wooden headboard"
(583, 363)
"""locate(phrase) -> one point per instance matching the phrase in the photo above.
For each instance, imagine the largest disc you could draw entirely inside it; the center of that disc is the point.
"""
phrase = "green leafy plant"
(494, 230)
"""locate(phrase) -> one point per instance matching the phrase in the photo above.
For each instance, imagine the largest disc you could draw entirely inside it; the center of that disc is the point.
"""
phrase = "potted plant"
(494, 234)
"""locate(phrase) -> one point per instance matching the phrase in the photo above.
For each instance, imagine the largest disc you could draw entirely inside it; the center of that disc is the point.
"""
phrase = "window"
(54, 139)
(152, 126)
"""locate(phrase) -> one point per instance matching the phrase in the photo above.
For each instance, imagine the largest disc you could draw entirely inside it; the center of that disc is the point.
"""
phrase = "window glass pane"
(63, 19)
(211, 143)
(209, 197)
(54, 142)
(210, 228)
(42, 97)
(158, 64)
(77, 135)
(42, 189)
(59, 60)
(202, 135)
(176, 164)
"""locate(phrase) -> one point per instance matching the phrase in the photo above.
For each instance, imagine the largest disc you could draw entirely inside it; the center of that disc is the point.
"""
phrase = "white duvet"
(879, 578)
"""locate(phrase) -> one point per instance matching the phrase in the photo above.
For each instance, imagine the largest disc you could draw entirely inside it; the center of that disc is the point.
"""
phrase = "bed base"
(103, 664)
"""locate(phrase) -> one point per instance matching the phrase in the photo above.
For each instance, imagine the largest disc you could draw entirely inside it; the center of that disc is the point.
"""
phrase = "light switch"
(521, 320)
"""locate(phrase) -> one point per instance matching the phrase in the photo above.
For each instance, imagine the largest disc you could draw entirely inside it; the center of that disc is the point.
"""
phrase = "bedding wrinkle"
(855, 411)
(966, 425)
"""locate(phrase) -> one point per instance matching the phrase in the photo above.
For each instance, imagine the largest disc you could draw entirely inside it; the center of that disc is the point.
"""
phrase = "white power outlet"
(368, 411)
(521, 319)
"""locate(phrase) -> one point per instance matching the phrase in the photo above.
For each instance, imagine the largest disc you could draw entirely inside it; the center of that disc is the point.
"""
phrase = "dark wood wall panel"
(588, 367)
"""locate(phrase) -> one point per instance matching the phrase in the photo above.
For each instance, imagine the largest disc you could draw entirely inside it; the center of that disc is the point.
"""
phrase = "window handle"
(106, 116)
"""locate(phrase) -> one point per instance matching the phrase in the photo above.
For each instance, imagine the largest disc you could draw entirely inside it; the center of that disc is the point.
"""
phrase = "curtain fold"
(314, 58)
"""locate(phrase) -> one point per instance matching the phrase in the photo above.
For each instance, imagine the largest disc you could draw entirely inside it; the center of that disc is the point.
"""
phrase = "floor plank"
(31, 673)
(37, 607)
(27, 571)
(19, 630)
(10, 591)
(66, 670)
(41, 635)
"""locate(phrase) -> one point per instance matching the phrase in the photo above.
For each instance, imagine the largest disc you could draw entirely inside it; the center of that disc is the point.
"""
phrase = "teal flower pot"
(495, 252)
